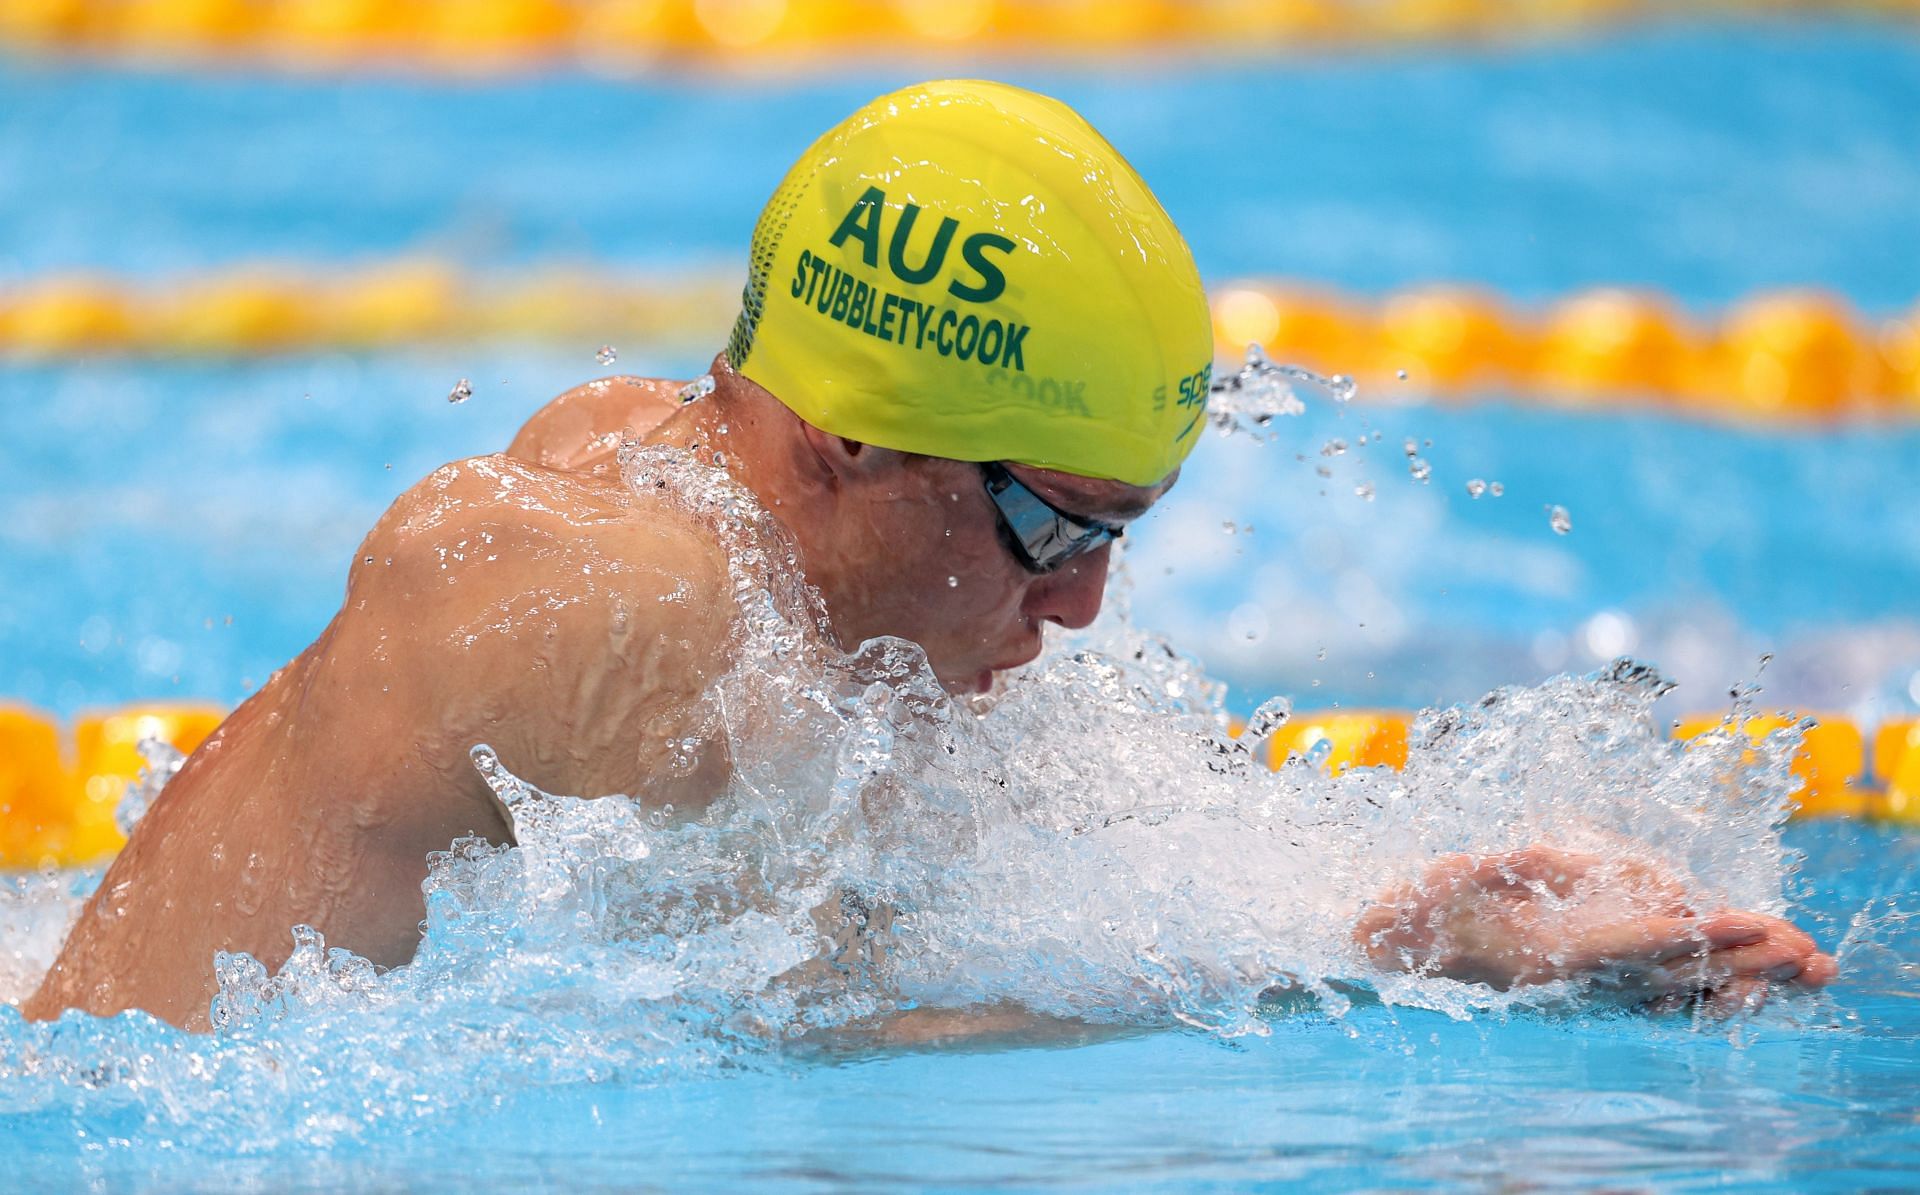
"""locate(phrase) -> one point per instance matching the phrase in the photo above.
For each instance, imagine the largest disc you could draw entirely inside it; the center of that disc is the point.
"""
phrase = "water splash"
(697, 389)
(162, 761)
(1247, 401)
(1089, 842)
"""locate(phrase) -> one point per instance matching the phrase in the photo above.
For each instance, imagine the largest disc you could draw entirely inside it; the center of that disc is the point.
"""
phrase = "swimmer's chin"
(978, 684)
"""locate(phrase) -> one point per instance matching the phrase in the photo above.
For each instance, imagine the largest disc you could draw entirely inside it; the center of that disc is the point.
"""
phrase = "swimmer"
(972, 350)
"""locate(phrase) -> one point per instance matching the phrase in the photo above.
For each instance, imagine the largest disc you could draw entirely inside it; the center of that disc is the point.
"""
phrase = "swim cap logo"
(863, 223)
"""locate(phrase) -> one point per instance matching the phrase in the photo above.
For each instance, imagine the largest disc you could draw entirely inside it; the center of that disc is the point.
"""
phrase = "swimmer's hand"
(1622, 928)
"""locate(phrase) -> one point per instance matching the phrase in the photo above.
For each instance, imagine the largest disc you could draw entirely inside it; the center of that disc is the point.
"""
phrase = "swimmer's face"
(923, 556)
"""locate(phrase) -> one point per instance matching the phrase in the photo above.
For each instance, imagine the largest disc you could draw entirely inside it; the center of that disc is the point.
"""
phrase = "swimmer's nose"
(1071, 594)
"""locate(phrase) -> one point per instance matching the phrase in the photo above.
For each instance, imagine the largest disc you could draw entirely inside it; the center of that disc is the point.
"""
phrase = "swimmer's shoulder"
(582, 427)
(530, 608)
(498, 523)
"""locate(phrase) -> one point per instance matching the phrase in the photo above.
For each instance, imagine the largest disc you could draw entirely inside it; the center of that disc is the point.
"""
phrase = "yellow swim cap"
(967, 270)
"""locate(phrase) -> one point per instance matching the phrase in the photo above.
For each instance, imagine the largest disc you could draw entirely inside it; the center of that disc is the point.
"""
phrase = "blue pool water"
(1384, 1099)
(1705, 163)
(178, 529)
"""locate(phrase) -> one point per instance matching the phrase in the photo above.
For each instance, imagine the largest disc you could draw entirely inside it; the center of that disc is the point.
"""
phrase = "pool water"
(1381, 1099)
(180, 528)
(1706, 164)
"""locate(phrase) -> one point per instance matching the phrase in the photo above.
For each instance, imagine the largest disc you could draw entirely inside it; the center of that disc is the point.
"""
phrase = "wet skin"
(533, 601)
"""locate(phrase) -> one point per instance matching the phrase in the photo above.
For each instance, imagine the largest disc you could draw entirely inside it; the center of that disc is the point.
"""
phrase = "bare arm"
(496, 602)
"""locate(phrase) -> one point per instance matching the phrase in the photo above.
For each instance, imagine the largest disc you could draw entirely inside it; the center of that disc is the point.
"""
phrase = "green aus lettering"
(865, 222)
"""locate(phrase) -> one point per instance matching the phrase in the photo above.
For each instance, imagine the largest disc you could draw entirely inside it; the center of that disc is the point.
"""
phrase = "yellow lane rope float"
(57, 797)
(1792, 354)
(478, 35)
(56, 804)
(1838, 775)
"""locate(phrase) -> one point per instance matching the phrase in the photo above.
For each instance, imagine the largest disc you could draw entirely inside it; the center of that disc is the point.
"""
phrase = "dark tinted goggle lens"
(1041, 536)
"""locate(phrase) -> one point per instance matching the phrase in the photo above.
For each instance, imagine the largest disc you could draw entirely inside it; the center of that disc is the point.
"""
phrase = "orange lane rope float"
(58, 795)
(1797, 353)
(1779, 354)
(472, 36)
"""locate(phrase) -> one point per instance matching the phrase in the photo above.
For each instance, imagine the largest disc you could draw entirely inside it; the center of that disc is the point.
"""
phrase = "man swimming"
(972, 349)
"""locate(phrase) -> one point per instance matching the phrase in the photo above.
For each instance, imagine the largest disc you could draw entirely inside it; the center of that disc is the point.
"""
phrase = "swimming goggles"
(1041, 536)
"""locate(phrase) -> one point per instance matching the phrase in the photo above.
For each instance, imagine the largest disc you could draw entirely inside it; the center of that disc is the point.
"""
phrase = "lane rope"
(482, 36)
(1794, 354)
(58, 791)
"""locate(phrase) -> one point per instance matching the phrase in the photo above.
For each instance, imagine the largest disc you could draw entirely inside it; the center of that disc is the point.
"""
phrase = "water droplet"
(953, 582)
(1476, 487)
(1401, 374)
(1270, 716)
(1419, 469)
(1249, 399)
(1559, 520)
(607, 355)
(1335, 447)
(461, 392)
(1410, 447)
(1364, 491)
(1230, 527)
(1321, 654)
(697, 389)
(1495, 489)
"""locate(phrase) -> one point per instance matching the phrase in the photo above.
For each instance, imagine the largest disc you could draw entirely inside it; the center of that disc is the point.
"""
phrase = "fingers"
(1818, 971)
(1694, 952)
(1764, 962)
(1731, 927)
(1737, 978)
(1646, 941)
